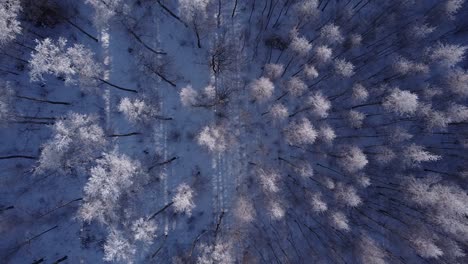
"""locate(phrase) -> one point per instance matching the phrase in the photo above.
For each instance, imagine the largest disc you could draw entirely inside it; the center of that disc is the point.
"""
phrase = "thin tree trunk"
(171, 13)
(162, 163)
(117, 87)
(125, 135)
(80, 29)
(18, 157)
(42, 100)
(234, 9)
(160, 211)
(144, 44)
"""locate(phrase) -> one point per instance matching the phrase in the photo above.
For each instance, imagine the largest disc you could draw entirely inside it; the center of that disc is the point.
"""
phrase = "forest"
(234, 131)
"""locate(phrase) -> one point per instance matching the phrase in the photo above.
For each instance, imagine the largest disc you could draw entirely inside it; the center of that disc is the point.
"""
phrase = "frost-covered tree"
(404, 66)
(137, 110)
(339, 221)
(183, 199)
(244, 210)
(425, 246)
(188, 96)
(446, 54)
(446, 204)
(215, 138)
(276, 210)
(310, 72)
(433, 119)
(331, 33)
(355, 40)
(326, 133)
(317, 203)
(307, 9)
(355, 118)
(370, 252)
(113, 176)
(300, 132)
(347, 194)
(300, 45)
(208, 97)
(118, 249)
(262, 89)
(279, 111)
(451, 7)
(319, 104)
(457, 113)
(415, 154)
(71, 63)
(303, 169)
(296, 86)
(274, 70)
(420, 30)
(193, 12)
(77, 140)
(384, 155)
(268, 180)
(219, 253)
(344, 68)
(144, 230)
(359, 93)
(323, 53)
(457, 81)
(9, 24)
(401, 102)
(106, 9)
(352, 159)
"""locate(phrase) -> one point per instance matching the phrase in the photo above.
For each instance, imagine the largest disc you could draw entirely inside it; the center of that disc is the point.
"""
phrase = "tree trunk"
(160, 211)
(42, 100)
(117, 87)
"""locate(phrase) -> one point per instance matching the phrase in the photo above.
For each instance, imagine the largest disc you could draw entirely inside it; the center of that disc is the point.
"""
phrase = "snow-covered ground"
(233, 131)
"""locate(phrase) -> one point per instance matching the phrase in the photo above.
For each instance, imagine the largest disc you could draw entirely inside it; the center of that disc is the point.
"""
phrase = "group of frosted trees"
(350, 119)
(368, 128)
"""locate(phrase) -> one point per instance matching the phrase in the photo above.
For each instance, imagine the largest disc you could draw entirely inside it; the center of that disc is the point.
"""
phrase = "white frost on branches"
(323, 53)
(262, 89)
(447, 54)
(331, 33)
(353, 159)
(144, 231)
(215, 138)
(296, 86)
(300, 45)
(9, 24)
(188, 96)
(310, 72)
(183, 199)
(401, 102)
(244, 210)
(347, 195)
(105, 10)
(118, 249)
(113, 176)
(136, 110)
(300, 132)
(415, 154)
(320, 105)
(274, 70)
(339, 221)
(344, 68)
(77, 138)
(71, 63)
(279, 112)
(360, 93)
